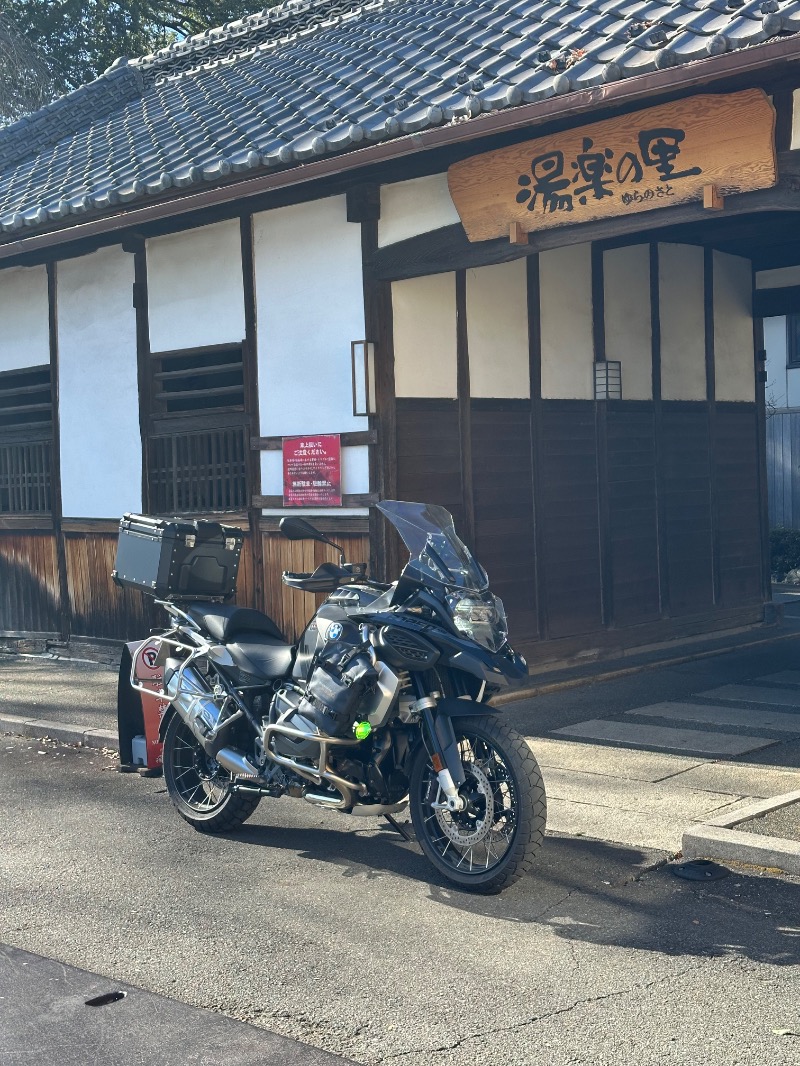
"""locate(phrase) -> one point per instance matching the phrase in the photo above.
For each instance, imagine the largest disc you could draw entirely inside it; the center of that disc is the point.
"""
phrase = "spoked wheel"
(492, 842)
(199, 787)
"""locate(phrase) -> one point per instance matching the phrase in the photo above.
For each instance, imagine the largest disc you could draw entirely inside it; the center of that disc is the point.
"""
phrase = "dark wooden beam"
(353, 499)
(140, 303)
(711, 398)
(535, 366)
(770, 302)
(601, 436)
(658, 434)
(464, 406)
(275, 444)
(250, 376)
(364, 203)
(64, 610)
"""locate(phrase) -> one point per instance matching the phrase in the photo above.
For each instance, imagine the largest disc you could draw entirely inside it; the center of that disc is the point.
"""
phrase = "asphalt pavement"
(339, 935)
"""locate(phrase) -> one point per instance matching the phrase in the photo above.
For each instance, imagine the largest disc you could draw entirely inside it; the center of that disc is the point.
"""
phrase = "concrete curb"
(64, 732)
(716, 839)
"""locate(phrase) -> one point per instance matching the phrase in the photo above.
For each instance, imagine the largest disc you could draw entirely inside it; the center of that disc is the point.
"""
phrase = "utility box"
(172, 558)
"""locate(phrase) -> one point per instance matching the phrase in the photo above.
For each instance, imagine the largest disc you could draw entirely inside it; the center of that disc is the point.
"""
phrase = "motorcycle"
(383, 704)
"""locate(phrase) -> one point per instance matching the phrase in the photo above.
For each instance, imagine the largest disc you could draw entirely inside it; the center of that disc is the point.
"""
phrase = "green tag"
(361, 730)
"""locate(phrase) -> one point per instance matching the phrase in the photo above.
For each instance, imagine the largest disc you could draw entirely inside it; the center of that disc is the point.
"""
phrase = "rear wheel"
(199, 787)
(492, 842)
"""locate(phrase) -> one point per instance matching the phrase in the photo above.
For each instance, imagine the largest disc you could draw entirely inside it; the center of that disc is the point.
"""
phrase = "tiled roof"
(314, 77)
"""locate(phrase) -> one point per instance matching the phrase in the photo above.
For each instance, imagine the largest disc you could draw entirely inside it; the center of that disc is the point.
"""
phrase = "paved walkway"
(640, 777)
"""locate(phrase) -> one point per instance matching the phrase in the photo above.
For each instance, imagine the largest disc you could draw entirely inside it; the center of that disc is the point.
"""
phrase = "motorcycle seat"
(262, 656)
(225, 621)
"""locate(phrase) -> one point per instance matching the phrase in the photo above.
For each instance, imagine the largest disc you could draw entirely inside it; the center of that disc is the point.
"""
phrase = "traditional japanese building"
(512, 256)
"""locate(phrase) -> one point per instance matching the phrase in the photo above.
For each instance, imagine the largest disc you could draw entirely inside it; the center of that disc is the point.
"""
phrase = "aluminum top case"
(176, 558)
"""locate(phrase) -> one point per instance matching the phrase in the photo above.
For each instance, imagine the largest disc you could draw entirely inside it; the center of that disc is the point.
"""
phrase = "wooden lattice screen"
(198, 472)
(26, 433)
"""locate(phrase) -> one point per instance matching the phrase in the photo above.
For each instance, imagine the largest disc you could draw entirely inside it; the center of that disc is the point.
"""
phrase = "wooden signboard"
(671, 154)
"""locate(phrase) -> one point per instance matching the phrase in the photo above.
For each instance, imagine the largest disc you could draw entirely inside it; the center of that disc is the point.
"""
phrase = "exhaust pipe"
(325, 799)
(235, 763)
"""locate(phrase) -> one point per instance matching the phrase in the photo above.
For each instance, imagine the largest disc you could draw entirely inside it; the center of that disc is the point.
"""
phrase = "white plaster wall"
(101, 450)
(793, 387)
(779, 278)
(310, 306)
(497, 330)
(424, 311)
(194, 288)
(409, 208)
(682, 314)
(734, 345)
(778, 375)
(628, 325)
(566, 323)
(24, 318)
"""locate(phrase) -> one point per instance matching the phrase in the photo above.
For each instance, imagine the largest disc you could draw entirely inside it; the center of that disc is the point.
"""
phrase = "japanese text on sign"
(312, 471)
(654, 158)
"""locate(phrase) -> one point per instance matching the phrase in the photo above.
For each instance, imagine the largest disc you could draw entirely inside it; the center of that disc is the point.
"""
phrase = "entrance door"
(462, 386)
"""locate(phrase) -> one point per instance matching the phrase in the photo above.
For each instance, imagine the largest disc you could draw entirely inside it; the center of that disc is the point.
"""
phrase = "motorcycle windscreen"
(436, 550)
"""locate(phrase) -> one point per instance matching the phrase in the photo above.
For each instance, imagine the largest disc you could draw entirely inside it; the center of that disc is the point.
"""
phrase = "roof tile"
(313, 77)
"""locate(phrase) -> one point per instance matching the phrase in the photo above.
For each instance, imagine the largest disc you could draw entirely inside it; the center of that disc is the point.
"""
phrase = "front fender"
(454, 708)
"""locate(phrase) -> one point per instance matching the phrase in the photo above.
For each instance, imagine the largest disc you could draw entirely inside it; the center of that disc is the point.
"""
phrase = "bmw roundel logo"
(334, 631)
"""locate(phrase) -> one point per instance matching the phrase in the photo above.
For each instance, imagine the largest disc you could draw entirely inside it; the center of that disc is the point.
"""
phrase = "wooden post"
(64, 610)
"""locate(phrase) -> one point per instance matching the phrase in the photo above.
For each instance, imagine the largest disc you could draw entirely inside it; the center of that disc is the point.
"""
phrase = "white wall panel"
(424, 311)
(101, 451)
(682, 315)
(24, 321)
(409, 208)
(497, 330)
(310, 300)
(194, 288)
(628, 326)
(778, 377)
(566, 323)
(734, 345)
(779, 278)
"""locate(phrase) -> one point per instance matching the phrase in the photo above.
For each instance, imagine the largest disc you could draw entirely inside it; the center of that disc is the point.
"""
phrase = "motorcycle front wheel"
(200, 789)
(493, 841)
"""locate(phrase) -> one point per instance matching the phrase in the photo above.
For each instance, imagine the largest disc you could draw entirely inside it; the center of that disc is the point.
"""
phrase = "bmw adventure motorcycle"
(383, 704)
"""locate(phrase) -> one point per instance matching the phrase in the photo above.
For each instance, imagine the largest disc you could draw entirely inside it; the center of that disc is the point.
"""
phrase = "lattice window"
(199, 472)
(199, 429)
(26, 434)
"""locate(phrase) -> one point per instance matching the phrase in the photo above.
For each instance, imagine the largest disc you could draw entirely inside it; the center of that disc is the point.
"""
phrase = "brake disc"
(450, 824)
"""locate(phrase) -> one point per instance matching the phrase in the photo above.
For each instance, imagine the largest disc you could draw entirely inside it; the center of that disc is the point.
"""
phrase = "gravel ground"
(784, 822)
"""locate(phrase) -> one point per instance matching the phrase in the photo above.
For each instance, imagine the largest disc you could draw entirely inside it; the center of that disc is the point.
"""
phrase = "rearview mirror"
(294, 528)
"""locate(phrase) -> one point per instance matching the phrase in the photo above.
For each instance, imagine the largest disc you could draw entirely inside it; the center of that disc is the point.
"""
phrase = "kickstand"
(401, 829)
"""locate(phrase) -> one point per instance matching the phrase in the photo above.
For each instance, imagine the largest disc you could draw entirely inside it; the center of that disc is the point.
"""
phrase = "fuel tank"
(332, 622)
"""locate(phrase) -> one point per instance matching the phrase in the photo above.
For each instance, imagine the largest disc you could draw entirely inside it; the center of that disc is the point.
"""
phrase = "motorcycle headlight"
(481, 618)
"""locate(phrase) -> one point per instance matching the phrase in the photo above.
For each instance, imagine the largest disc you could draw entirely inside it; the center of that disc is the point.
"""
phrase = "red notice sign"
(312, 471)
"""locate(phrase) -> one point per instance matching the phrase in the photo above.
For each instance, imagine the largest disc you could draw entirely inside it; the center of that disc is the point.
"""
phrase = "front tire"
(200, 789)
(492, 843)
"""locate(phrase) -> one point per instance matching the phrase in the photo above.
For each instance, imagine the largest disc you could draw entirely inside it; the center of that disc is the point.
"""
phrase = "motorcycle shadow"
(579, 889)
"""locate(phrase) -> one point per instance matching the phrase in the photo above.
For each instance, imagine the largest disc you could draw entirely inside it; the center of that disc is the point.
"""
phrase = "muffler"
(325, 799)
(201, 712)
(235, 763)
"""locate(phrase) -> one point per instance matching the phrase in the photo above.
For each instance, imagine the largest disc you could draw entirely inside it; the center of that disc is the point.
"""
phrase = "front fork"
(442, 746)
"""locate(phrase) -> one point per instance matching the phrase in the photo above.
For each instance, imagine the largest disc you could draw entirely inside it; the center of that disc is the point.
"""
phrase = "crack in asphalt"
(544, 1017)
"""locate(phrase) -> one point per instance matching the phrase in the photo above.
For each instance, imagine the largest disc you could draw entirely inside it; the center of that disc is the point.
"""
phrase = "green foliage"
(78, 39)
(784, 546)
